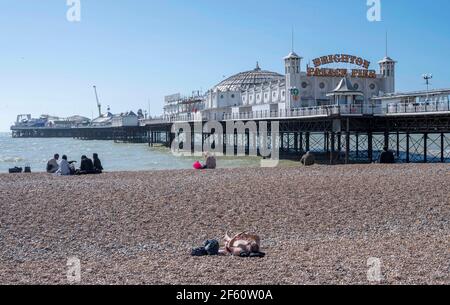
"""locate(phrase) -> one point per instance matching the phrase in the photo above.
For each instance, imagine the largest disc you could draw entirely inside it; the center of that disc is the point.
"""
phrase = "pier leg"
(296, 142)
(398, 144)
(370, 146)
(386, 139)
(425, 147)
(301, 142)
(442, 148)
(357, 144)
(339, 145)
(407, 148)
(332, 135)
(307, 135)
(347, 148)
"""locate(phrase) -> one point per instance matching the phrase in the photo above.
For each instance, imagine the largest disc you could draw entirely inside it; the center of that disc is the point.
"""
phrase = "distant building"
(128, 119)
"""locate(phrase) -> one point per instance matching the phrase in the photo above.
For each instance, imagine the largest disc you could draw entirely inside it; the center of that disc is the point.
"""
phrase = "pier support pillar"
(307, 135)
(357, 144)
(370, 147)
(332, 144)
(339, 145)
(301, 142)
(425, 147)
(386, 139)
(407, 148)
(347, 147)
(296, 142)
(442, 148)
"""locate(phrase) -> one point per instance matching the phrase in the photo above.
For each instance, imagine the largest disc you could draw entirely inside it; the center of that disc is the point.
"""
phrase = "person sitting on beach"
(64, 167)
(97, 163)
(86, 166)
(197, 165)
(308, 159)
(211, 162)
(387, 157)
(52, 164)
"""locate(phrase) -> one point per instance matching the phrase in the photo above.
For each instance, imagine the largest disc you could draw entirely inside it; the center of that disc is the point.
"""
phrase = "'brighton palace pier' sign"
(341, 58)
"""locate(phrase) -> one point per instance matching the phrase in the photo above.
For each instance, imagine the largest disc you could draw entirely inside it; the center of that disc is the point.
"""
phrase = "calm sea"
(114, 156)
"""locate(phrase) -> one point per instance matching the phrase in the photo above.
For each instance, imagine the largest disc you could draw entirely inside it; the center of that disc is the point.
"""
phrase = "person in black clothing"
(86, 166)
(97, 163)
(387, 157)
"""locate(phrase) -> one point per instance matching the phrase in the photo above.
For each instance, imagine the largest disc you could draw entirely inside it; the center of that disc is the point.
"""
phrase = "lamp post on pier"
(427, 78)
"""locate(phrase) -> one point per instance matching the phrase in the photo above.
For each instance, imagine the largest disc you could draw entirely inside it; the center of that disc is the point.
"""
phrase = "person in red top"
(197, 165)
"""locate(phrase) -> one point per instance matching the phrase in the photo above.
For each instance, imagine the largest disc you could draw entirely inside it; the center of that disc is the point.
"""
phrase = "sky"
(138, 51)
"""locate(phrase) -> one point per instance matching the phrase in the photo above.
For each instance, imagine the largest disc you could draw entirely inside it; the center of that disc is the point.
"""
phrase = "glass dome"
(254, 77)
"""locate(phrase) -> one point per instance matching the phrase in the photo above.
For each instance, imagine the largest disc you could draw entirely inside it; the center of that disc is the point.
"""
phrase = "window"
(266, 96)
(232, 96)
(372, 86)
(282, 93)
(322, 85)
(356, 86)
(221, 96)
(304, 85)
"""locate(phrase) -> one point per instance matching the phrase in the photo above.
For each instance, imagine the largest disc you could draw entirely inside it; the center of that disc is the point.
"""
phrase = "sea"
(35, 152)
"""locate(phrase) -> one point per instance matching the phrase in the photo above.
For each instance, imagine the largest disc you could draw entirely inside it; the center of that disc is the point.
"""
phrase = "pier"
(338, 134)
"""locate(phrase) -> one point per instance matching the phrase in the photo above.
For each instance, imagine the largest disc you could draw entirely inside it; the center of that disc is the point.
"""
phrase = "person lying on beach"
(243, 244)
(52, 164)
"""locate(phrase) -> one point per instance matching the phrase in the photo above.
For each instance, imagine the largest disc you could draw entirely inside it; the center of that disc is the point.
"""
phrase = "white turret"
(292, 64)
(387, 69)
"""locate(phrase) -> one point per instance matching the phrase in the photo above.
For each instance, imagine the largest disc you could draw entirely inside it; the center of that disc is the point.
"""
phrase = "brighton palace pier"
(339, 107)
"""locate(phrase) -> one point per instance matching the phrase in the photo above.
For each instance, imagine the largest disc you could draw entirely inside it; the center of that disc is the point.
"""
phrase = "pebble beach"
(318, 225)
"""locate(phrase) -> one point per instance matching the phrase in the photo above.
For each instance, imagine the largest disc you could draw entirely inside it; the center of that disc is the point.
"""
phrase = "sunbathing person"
(243, 244)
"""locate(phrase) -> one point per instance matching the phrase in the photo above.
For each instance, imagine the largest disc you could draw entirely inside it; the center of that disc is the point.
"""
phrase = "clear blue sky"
(141, 50)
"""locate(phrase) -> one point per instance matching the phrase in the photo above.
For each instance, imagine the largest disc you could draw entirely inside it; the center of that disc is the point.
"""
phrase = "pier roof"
(241, 80)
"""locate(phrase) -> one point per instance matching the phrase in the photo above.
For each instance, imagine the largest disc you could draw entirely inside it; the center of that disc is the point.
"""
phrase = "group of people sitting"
(64, 167)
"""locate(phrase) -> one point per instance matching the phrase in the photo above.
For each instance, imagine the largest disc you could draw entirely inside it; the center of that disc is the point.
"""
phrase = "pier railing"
(321, 111)
(417, 108)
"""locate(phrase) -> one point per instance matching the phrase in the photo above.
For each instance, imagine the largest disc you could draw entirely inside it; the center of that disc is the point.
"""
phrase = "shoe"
(257, 254)
(199, 252)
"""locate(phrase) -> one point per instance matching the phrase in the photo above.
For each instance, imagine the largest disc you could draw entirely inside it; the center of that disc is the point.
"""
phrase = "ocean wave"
(11, 159)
